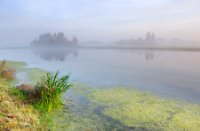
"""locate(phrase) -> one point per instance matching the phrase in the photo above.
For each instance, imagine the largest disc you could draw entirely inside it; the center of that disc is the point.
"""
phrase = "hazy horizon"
(92, 20)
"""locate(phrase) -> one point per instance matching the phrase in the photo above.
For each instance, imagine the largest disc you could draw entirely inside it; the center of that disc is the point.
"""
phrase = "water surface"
(174, 74)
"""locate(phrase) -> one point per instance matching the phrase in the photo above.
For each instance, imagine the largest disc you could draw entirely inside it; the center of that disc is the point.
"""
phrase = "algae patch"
(15, 64)
(140, 111)
(25, 74)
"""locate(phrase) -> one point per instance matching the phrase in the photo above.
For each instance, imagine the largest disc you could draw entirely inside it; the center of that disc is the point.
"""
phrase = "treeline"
(56, 39)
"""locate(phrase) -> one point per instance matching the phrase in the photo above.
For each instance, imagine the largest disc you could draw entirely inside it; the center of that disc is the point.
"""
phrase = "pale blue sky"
(103, 20)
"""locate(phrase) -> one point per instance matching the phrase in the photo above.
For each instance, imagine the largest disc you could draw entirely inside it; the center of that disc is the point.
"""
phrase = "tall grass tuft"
(49, 91)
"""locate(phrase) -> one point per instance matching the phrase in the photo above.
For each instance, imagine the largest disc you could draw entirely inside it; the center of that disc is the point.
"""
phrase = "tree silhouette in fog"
(150, 36)
(57, 39)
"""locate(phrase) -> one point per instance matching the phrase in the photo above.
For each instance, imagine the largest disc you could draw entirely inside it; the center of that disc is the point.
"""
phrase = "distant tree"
(60, 37)
(74, 40)
(54, 39)
(152, 36)
(148, 35)
(139, 39)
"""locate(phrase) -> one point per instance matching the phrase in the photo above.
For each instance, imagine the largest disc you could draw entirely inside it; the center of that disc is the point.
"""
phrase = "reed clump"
(46, 95)
(50, 89)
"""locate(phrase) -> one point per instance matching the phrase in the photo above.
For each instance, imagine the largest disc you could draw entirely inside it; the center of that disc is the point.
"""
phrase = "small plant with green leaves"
(49, 91)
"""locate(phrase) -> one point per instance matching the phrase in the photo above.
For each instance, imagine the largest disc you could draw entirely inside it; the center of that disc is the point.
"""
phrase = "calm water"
(167, 73)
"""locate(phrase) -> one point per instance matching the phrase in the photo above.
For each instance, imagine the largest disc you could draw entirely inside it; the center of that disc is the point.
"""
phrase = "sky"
(21, 21)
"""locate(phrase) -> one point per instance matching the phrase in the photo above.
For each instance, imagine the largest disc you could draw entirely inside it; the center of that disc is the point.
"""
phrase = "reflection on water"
(60, 54)
(149, 56)
(169, 73)
(57, 54)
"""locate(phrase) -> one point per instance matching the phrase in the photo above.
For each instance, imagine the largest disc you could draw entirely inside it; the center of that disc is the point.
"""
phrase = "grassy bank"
(14, 114)
(29, 105)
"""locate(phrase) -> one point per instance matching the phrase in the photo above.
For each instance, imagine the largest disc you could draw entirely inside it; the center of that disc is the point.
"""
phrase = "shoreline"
(118, 107)
(150, 48)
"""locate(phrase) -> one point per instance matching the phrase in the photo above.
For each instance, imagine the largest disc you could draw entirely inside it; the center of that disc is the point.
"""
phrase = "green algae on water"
(142, 111)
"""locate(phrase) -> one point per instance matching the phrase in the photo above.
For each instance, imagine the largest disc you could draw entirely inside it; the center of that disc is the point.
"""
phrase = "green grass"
(50, 89)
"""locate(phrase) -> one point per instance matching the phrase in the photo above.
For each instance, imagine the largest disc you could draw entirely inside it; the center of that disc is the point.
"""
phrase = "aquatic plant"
(140, 110)
(49, 90)
(34, 74)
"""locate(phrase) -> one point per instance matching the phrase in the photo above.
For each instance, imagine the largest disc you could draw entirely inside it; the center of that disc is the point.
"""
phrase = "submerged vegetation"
(124, 108)
(139, 110)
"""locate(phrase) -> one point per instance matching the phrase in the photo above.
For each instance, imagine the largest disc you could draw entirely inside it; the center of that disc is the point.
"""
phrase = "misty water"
(172, 74)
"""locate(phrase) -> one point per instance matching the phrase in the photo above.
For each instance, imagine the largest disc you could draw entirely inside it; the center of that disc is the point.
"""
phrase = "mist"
(103, 21)
(79, 65)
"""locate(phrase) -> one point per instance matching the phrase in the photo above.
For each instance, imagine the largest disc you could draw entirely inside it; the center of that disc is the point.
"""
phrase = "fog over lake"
(173, 74)
(95, 65)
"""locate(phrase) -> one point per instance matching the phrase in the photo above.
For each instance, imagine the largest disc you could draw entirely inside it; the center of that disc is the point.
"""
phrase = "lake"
(171, 74)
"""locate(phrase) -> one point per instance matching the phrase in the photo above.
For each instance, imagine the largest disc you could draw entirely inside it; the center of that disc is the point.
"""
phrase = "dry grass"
(2, 65)
(14, 114)
(6, 73)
